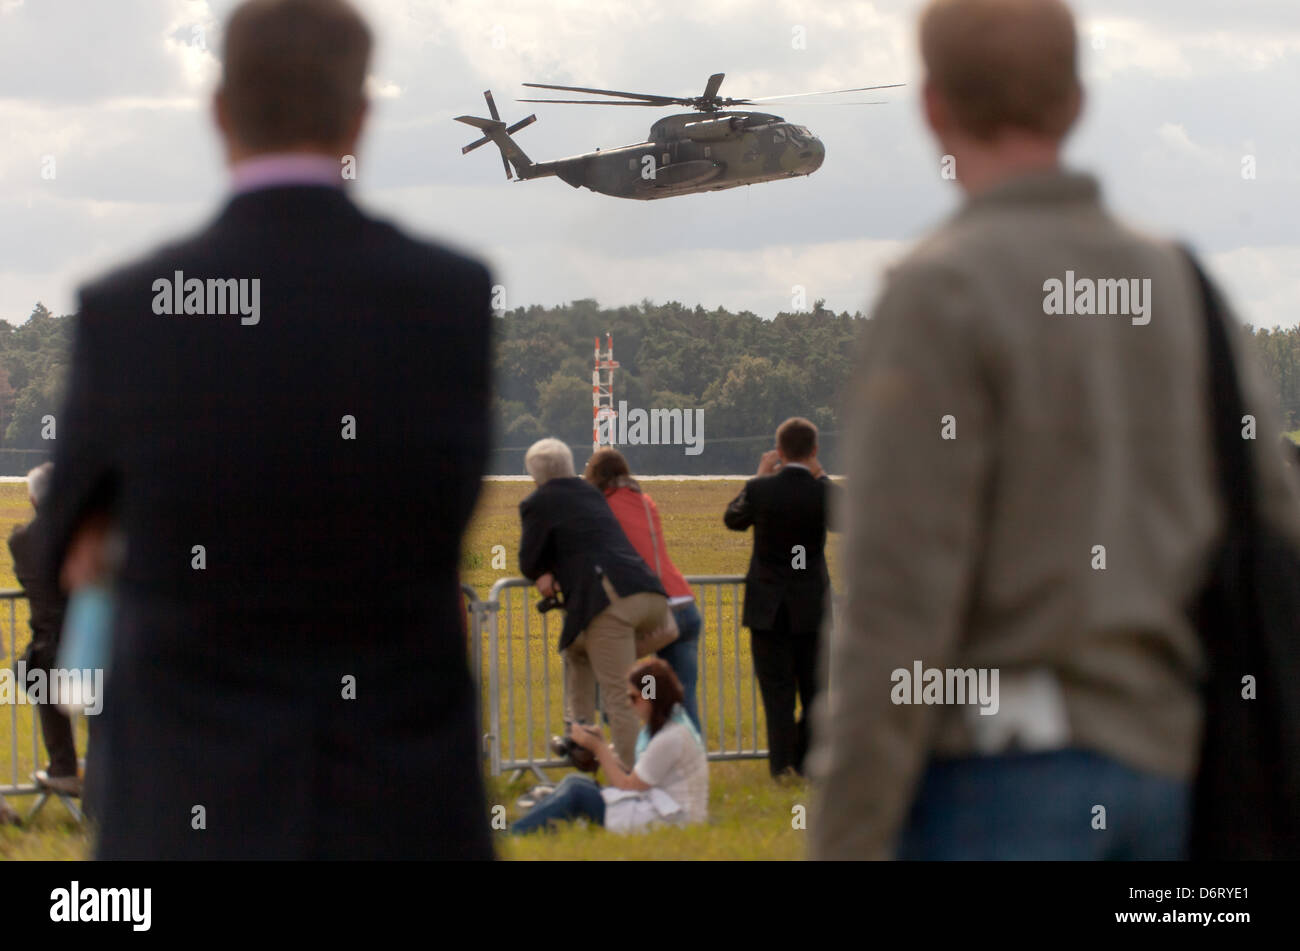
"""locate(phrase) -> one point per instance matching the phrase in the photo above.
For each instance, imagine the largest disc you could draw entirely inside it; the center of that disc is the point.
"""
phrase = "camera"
(549, 604)
(580, 757)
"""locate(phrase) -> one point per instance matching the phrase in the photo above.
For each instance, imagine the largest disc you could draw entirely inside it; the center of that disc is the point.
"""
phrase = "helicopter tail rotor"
(498, 132)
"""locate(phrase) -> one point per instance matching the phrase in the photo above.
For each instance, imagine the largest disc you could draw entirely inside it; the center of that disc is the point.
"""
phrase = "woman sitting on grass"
(669, 783)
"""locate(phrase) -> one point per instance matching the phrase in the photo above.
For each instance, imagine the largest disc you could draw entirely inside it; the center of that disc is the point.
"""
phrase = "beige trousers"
(604, 653)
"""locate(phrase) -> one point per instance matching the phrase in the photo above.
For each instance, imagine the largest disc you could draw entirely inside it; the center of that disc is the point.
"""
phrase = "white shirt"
(677, 770)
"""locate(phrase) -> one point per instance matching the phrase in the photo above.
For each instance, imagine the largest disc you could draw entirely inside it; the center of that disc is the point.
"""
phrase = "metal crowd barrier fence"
(523, 696)
(16, 767)
(474, 622)
(525, 679)
(15, 776)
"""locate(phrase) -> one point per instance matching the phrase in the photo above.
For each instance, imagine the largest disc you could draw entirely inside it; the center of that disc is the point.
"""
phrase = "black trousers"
(55, 727)
(785, 663)
(57, 730)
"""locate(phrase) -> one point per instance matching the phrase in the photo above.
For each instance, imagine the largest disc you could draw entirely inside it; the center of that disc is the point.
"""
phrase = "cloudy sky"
(106, 146)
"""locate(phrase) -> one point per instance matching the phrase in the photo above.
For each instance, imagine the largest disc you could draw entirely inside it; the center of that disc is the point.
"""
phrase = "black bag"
(1246, 797)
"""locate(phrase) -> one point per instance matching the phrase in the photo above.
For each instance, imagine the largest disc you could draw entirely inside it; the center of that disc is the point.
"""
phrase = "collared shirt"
(1059, 187)
(795, 465)
(274, 169)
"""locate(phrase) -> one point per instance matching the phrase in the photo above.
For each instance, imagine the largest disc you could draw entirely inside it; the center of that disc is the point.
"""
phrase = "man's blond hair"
(1003, 63)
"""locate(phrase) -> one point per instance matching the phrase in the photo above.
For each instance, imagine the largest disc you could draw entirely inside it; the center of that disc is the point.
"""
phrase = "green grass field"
(751, 816)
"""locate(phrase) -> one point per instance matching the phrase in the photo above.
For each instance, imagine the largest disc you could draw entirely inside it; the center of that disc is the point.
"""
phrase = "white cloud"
(1262, 283)
(379, 89)
(118, 92)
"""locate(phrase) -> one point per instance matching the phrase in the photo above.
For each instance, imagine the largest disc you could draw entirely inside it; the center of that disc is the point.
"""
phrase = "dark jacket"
(569, 531)
(47, 602)
(787, 508)
(326, 560)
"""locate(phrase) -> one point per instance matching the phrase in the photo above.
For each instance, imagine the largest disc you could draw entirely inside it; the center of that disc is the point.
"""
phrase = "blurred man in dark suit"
(787, 583)
(48, 605)
(286, 415)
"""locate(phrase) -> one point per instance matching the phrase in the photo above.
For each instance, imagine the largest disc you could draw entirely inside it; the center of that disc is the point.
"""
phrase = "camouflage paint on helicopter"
(683, 154)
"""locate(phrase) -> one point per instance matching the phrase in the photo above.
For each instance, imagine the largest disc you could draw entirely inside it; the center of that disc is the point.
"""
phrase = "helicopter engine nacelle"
(713, 130)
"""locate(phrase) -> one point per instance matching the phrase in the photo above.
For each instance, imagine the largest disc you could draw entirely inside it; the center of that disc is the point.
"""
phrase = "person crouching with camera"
(574, 547)
(669, 783)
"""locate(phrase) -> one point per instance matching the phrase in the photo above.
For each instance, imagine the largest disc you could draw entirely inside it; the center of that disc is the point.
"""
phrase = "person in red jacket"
(636, 512)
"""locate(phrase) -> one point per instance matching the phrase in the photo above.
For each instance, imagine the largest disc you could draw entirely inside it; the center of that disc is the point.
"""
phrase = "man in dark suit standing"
(48, 605)
(286, 416)
(787, 583)
(572, 541)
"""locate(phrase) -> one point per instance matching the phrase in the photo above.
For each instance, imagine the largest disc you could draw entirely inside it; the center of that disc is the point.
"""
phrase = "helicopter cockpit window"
(778, 136)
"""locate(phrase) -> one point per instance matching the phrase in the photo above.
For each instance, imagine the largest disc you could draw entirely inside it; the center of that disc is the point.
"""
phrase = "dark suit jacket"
(325, 560)
(787, 508)
(569, 530)
(47, 602)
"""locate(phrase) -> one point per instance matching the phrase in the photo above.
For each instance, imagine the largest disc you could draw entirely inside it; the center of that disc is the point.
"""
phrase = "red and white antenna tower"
(602, 394)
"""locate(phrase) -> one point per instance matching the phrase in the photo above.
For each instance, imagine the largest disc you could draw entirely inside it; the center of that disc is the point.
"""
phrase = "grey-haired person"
(572, 545)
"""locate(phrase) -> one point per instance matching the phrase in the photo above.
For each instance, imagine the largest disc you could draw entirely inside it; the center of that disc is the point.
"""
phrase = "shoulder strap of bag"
(654, 540)
(1231, 452)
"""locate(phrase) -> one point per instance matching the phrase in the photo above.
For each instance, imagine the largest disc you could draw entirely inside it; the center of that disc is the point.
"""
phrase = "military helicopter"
(683, 154)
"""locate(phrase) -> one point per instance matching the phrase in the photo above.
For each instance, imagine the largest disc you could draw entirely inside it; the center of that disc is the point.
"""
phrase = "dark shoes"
(788, 777)
(63, 785)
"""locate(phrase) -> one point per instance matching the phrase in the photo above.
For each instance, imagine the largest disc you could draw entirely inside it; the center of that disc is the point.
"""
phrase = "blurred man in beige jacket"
(1030, 500)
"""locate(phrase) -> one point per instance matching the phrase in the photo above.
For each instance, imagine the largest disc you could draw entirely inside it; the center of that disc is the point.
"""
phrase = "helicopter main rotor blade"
(663, 100)
(709, 102)
(826, 92)
(595, 102)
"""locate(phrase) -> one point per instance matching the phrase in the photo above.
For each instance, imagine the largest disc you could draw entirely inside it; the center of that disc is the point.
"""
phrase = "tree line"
(746, 374)
(33, 367)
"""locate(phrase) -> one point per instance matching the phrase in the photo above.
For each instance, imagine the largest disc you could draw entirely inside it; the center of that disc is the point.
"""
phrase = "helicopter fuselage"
(693, 152)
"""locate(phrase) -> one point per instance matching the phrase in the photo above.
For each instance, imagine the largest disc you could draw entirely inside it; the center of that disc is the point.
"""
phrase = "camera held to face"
(579, 756)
